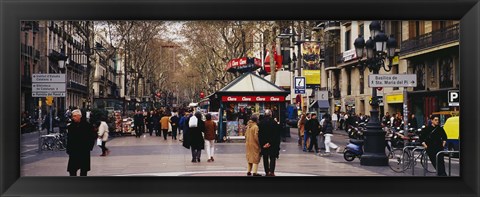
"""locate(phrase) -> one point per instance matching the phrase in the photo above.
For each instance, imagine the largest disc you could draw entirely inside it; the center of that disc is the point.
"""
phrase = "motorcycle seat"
(357, 142)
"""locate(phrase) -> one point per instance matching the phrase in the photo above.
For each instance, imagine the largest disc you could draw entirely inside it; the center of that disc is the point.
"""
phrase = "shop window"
(446, 72)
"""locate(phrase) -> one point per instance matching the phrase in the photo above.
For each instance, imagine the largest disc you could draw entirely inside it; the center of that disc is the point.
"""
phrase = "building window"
(347, 40)
(395, 71)
(349, 82)
(362, 80)
(446, 72)
(361, 29)
(432, 74)
(420, 72)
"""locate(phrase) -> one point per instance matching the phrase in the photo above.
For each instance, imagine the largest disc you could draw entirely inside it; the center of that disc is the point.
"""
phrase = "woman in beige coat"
(252, 146)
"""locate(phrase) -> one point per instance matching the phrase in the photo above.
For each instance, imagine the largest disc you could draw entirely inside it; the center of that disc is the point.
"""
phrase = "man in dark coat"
(185, 137)
(139, 123)
(313, 129)
(80, 141)
(433, 139)
(269, 139)
(195, 137)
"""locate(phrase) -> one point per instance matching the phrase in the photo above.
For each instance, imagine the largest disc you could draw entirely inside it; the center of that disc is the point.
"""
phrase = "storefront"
(395, 103)
(248, 94)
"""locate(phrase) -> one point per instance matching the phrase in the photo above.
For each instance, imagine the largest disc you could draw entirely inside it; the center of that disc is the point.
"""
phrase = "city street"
(153, 156)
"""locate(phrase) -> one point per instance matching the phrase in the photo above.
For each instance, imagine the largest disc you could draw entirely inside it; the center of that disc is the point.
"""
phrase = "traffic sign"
(300, 86)
(454, 98)
(399, 80)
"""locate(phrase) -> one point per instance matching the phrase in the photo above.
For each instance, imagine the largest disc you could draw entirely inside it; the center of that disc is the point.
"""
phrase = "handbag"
(192, 123)
(99, 141)
(169, 127)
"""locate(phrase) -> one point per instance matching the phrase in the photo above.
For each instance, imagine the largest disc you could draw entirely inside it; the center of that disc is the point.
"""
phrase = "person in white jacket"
(103, 135)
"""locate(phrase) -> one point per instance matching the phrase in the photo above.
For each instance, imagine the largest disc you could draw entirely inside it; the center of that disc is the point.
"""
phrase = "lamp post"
(377, 51)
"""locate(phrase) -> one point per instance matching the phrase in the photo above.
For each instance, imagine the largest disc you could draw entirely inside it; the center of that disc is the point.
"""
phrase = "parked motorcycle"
(353, 149)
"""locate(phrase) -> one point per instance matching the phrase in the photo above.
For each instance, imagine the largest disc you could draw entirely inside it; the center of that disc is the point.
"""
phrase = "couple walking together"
(262, 139)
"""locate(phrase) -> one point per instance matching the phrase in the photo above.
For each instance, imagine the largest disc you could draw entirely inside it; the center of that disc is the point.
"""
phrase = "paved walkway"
(153, 156)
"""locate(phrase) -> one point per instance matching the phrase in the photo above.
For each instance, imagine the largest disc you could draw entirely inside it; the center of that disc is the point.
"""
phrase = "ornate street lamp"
(377, 51)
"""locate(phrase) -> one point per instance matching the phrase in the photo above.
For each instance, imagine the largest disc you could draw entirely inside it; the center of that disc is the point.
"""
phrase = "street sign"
(48, 78)
(53, 85)
(399, 80)
(48, 87)
(300, 86)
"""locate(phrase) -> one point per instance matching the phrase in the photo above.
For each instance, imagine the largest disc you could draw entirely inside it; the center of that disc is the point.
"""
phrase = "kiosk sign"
(402, 80)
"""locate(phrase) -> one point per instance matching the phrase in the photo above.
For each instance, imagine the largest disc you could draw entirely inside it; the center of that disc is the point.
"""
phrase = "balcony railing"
(77, 86)
(432, 39)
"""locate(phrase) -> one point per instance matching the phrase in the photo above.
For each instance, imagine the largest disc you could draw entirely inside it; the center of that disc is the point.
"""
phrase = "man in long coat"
(269, 139)
(80, 141)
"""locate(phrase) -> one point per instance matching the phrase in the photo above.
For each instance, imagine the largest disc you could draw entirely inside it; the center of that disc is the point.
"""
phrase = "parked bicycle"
(54, 142)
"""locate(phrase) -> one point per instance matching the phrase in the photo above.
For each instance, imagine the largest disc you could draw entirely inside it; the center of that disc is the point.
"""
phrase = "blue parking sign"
(300, 86)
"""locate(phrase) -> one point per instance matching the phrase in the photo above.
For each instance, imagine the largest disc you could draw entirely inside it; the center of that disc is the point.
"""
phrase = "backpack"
(193, 122)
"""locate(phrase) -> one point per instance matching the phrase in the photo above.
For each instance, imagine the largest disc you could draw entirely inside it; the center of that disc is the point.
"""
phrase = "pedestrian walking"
(164, 123)
(335, 120)
(181, 123)
(149, 122)
(328, 133)
(210, 131)
(252, 146)
(269, 138)
(301, 128)
(313, 129)
(80, 141)
(306, 135)
(156, 123)
(185, 140)
(103, 136)
(433, 139)
(196, 140)
(139, 123)
(174, 120)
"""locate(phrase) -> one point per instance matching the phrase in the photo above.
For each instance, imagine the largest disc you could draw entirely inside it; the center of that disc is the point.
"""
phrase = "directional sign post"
(401, 80)
(300, 86)
(44, 85)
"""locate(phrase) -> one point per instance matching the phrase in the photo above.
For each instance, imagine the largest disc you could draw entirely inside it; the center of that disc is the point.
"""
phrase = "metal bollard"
(449, 160)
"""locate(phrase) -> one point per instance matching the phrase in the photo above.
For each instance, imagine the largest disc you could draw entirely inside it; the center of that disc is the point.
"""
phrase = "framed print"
(384, 82)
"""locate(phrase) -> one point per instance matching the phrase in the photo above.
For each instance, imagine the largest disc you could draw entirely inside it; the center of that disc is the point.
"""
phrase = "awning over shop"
(321, 104)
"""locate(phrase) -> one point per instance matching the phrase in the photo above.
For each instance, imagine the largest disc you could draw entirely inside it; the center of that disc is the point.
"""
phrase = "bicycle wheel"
(398, 161)
(427, 167)
(59, 146)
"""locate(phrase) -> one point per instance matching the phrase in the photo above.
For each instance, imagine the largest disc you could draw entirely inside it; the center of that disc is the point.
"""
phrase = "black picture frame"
(12, 12)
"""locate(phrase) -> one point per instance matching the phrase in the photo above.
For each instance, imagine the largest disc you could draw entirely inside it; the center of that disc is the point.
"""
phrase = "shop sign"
(253, 98)
(395, 98)
(349, 55)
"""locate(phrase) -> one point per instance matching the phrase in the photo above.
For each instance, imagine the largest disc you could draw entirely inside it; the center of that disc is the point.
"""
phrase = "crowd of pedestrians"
(198, 132)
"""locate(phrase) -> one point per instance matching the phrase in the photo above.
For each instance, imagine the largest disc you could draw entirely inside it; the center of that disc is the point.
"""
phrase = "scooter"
(353, 149)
